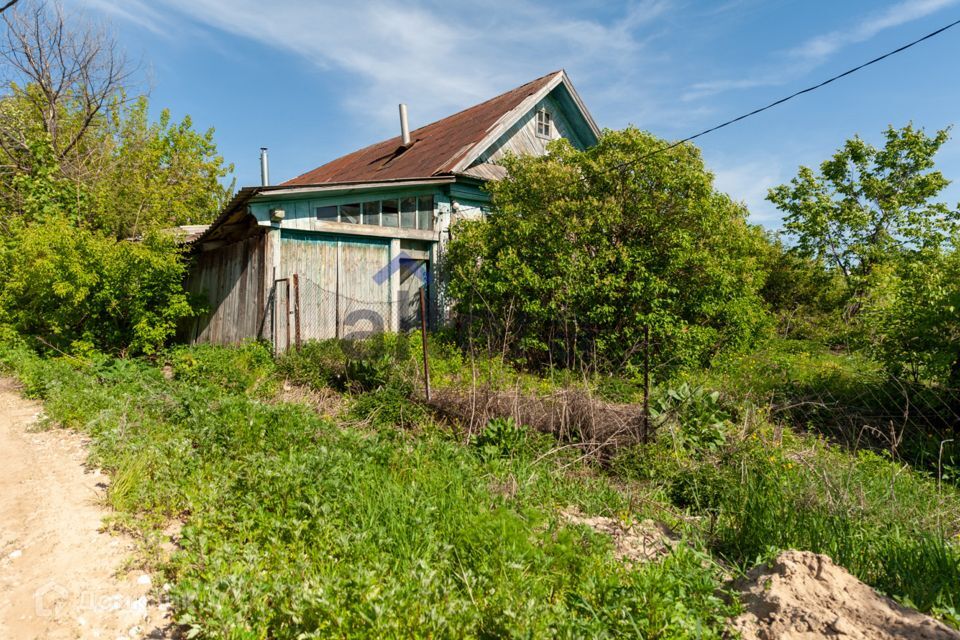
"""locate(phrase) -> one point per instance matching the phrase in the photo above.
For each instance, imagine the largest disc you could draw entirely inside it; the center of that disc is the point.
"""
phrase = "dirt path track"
(60, 577)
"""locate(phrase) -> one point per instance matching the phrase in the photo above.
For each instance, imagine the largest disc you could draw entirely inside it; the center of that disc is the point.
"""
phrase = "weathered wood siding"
(522, 137)
(341, 294)
(314, 259)
(231, 278)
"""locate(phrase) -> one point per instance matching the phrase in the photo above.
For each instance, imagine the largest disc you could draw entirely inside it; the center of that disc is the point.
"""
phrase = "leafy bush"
(502, 437)
(317, 364)
(352, 365)
(80, 290)
(388, 407)
(701, 419)
(248, 368)
(910, 320)
(580, 253)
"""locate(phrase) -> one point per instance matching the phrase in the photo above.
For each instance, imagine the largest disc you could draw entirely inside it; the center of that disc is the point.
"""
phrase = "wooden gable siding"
(522, 138)
(231, 279)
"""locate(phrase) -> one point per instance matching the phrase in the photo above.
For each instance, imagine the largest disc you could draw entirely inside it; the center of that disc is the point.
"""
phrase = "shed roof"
(436, 149)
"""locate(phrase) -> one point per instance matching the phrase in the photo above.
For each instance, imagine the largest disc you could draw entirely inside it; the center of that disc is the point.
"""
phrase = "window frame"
(418, 209)
(544, 124)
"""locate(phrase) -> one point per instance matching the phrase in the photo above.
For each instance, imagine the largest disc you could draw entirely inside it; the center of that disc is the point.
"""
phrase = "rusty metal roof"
(436, 148)
(187, 233)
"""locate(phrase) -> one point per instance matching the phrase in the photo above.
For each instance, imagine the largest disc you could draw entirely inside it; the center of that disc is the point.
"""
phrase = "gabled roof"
(444, 147)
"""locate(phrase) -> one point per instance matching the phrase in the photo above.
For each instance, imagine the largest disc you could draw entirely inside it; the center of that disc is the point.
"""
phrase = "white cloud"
(819, 48)
(135, 11)
(749, 182)
(701, 90)
(437, 56)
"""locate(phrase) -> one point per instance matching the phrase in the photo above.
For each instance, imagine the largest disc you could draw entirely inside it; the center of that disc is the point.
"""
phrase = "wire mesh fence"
(302, 309)
(908, 418)
(841, 394)
(605, 400)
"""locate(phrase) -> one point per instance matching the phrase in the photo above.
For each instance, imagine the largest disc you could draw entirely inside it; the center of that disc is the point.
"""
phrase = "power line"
(793, 95)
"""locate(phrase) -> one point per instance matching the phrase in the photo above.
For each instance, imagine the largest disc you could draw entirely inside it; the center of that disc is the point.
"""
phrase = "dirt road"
(60, 577)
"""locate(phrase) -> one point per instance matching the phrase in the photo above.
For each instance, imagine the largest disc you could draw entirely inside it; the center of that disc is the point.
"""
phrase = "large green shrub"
(78, 289)
(584, 248)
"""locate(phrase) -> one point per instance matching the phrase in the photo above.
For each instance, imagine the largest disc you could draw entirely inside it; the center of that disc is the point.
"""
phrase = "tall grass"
(387, 525)
(766, 490)
(298, 527)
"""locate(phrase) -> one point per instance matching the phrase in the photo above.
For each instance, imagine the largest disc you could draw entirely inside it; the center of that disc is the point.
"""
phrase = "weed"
(502, 437)
(388, 407)
(701, 418)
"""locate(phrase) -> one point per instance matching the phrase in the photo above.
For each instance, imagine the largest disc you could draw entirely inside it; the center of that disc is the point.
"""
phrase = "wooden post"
(287, 345)
(423, 339)
(296, 307)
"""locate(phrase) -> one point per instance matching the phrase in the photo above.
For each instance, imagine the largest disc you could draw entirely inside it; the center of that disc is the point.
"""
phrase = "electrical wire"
(792, 95)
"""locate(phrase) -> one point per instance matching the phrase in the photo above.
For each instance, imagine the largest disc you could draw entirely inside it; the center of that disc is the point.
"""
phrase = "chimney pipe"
(264, 168)
(404, 127)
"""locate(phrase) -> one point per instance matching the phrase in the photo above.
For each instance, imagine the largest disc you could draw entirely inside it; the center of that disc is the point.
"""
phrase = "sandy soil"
(60, 576)
(636, 542)
(804, 595)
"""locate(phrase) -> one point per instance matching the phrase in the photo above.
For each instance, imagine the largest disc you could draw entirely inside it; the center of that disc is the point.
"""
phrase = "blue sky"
(314, 80)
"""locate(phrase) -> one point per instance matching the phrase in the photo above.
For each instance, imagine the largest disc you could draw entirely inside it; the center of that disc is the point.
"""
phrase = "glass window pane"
(389, 216)
(371, 213)
(408, 213)
(350, 213)
(328, 213)
(425, 213)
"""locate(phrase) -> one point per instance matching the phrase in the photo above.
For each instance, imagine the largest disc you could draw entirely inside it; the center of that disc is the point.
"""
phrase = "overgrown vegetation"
(586, 248)
(300, 527)
(869, 218)
(383, 522)
(88, 183)
(805, 389)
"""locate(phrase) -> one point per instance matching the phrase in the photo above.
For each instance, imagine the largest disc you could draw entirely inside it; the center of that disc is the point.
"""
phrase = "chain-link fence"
(857, 404)
(301, 309)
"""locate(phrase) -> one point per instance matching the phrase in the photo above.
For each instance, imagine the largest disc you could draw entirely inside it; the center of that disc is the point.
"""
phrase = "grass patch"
(765, 490)
(848, 398)
(298, 527)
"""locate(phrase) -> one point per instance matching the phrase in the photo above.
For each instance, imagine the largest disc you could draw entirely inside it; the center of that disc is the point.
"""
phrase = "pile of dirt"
(643, 541)
(804, 595)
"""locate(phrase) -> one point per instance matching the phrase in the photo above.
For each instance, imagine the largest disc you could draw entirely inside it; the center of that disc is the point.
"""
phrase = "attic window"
(544, 124)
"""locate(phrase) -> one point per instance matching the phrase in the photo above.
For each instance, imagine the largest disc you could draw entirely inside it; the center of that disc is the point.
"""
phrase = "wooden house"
(343, 250)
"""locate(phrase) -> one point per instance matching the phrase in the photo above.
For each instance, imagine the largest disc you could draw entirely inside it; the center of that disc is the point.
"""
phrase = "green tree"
(79, 289)
(585, 248)
(869, 205)
(157, 174)
(83, 170)
(870, 215)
